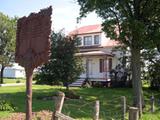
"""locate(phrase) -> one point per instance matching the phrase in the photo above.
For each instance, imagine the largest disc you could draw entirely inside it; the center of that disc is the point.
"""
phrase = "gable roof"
(87, 29)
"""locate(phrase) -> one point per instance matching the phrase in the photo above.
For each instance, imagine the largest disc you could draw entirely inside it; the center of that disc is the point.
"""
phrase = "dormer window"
(87, 40)
(96, 39)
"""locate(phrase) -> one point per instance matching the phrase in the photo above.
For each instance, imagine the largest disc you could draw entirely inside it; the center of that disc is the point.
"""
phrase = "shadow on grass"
(18, 99)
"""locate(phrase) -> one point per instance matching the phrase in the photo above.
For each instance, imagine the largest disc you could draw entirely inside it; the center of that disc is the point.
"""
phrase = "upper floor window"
(87, 40)
(96, 39)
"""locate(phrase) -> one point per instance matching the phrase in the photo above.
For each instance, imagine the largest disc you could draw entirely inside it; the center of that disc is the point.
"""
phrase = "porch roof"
(95, 53)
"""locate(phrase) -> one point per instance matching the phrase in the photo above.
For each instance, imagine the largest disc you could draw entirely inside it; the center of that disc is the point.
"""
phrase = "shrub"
(18, 81)
(6, 105)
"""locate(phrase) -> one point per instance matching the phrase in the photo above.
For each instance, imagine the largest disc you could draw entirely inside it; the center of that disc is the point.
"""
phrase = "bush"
(6, 105)
(154, 75)
(97, 84)
(18, 81)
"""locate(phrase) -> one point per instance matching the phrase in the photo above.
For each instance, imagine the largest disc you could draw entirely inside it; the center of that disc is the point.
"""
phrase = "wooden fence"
(133, 111)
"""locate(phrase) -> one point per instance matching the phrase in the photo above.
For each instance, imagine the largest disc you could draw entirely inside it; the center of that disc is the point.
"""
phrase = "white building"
(15, 71)
(96, 52)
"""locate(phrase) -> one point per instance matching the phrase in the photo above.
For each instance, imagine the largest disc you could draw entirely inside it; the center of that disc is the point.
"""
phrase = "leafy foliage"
(6, 105)
(63, 66)
(152, 59)
(154, 70)
(7, 41)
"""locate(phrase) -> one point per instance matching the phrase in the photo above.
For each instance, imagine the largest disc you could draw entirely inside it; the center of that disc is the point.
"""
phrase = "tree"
(63, 66)
(152, 67)
(135, 23)
(7, 41)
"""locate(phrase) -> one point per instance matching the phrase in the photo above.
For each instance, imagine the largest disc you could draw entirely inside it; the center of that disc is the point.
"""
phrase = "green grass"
(81, 109)
(12, 80)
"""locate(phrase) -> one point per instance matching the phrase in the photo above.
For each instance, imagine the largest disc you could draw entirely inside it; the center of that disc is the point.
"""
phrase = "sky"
(64, 12)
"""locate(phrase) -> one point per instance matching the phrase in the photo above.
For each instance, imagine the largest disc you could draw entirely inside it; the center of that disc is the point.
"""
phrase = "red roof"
(111, 43)
(87, 29)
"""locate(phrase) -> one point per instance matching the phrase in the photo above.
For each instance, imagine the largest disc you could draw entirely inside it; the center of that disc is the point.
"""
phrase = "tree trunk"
(29, 74)
(136, 79)
(2, 70)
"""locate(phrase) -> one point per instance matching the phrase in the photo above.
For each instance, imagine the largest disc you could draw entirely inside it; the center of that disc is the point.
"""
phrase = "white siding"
(14, 71)
(19, 73)
(10, 73)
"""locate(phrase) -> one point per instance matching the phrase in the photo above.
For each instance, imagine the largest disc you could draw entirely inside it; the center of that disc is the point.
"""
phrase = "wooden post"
(29, 74)
(123, 99)
(152, 103)
(133, 113)
(61, 116)
(96, 111)
(58, 104)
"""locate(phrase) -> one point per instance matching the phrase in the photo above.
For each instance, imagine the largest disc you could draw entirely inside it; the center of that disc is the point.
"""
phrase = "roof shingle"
(87, 29)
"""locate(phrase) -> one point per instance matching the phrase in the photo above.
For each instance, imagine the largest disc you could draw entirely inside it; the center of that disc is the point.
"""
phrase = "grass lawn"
(12, 80)
(82, 109)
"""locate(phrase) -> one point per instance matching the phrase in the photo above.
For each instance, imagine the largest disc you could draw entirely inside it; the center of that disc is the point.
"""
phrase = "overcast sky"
(64, 14)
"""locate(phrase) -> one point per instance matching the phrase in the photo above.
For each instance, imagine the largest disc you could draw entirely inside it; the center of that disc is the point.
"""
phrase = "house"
(96, 52)
(14, 71)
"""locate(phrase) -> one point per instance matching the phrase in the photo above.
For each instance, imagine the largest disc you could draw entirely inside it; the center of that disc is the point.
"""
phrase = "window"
(96, 39)
(110, 64)
(101, 65)
(87, 40)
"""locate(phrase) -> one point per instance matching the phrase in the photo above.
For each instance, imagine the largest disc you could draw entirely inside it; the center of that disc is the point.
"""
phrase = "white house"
(15, 71)
(96, 52)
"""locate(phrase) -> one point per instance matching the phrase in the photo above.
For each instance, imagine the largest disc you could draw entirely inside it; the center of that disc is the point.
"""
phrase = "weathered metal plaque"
(33, 47)
(33, 39)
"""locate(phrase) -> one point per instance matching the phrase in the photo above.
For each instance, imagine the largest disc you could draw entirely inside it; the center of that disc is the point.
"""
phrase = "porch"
(97, 66)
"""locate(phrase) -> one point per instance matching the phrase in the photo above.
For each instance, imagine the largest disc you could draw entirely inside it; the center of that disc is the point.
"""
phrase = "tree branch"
(123, 7)
(117, 19)
(129, 9)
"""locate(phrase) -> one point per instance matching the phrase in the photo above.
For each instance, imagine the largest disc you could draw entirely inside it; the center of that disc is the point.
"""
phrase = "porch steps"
(77, 83)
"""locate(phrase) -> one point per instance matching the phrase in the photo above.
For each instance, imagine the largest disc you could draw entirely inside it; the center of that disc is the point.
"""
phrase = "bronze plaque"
(33, 39)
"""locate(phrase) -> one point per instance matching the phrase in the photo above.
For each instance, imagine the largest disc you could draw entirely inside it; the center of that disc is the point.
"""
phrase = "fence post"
(123, 99)
(133, 113)
(96, 111)
(58, 104)
(152, 103)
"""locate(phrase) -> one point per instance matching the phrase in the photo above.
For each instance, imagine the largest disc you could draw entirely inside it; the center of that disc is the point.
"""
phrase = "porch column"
(106, 68)
(87, 68)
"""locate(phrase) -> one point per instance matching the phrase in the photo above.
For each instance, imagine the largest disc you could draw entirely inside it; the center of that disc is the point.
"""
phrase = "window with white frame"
(96, 39)
(87, 40)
